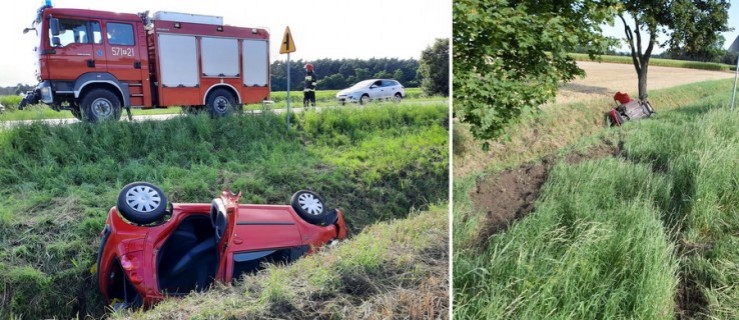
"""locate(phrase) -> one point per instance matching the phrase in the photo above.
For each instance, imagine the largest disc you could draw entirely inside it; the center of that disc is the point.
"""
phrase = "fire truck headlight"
(46, 94)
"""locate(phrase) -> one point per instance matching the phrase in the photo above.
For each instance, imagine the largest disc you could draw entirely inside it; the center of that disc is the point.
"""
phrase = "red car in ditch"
(151, 248)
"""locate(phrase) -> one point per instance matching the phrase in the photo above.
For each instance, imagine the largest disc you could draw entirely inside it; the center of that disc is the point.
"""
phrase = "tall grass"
(595, 248)
(650, 235)
(57, 183)
(697, 148)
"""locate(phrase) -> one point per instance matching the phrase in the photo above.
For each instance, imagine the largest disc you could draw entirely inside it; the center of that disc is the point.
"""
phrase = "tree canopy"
(434, 68)
(336, 74)
(693, 29)
(510, 56)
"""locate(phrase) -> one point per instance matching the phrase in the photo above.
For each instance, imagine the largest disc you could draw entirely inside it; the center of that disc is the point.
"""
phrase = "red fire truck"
(95, 63)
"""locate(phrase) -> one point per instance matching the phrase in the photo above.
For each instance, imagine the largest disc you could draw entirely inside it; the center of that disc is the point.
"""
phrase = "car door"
(391, 88)
(255, 233)
(121, 50)
(376, 90)
(73, 49)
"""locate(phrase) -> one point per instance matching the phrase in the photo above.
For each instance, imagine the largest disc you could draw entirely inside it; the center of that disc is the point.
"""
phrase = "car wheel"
(100, 105)
(364, 99)
(398, 97)
(142, 202)
(220, 103)
(309, 206)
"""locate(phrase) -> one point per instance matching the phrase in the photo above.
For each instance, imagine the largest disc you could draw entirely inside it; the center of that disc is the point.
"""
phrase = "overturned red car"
(151, 248)
(628, 109)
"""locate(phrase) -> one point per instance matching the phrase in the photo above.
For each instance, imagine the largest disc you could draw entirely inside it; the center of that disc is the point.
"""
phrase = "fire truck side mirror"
(56, 42)
(54, 26)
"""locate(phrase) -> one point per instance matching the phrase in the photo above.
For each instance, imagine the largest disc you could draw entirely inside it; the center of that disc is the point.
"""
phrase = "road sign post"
(288, 45)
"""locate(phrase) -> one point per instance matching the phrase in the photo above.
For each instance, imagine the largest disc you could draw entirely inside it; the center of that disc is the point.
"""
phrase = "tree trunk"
(642, 74)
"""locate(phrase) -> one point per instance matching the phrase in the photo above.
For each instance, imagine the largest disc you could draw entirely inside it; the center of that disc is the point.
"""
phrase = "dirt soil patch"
(510, 195)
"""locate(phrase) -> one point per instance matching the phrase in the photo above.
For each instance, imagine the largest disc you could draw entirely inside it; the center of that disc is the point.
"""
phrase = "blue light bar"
(48, 3)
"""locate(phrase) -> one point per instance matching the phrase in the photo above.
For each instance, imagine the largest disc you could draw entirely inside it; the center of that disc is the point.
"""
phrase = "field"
(385, 167)
(605, 79)
(658, 62)
(608, 223)
(324, 98)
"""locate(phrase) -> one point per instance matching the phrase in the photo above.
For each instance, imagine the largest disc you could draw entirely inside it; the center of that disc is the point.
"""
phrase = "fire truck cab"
(96, 63)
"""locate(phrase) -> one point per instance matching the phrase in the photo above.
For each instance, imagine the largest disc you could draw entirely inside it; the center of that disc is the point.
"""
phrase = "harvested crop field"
(605, 79)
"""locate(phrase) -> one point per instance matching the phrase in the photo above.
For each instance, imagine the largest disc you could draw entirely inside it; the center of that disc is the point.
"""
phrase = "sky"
(320, 28)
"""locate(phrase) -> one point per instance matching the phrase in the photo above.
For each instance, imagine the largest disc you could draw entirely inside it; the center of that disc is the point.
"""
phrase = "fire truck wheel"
(220, 103)
(142, 202)
(101, 104)
(309, 206)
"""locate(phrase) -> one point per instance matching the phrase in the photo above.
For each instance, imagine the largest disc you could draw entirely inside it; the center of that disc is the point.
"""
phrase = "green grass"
(616, 238)
(323, 98)
(595, 248)
(58, 182)
(394, 269)
(657, 62)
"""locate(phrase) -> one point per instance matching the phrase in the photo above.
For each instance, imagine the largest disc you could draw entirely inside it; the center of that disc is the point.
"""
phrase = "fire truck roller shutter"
(220, 57)
(256, 63)
(91, 78)
(178, 60)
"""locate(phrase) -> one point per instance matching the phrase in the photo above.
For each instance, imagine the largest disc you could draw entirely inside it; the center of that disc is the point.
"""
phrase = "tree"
(398, 75)
(510, 56)
(691, 26)
(434, 68)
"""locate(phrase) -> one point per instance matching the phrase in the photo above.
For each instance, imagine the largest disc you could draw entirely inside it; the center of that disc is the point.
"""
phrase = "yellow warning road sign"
(288, 45)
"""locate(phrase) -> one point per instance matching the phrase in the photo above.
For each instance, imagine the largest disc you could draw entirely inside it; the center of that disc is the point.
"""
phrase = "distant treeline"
(339, 74)
(332, 74)
(15, 90)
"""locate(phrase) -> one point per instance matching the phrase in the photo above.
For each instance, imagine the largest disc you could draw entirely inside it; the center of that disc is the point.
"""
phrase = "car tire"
(220, 103)
(142, 202)
(397, 98)
(364, 99)
(100, 105)
(309, 206)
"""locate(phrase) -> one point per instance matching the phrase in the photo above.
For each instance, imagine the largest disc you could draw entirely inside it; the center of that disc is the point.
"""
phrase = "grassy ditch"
(324, 98)
(59, 181)
(395, 269)
(650, 233)
(657, 62)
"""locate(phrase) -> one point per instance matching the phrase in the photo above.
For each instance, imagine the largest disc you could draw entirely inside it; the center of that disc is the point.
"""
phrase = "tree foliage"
(692, 27)
(336, 74)
(510, 56)
(434, 68)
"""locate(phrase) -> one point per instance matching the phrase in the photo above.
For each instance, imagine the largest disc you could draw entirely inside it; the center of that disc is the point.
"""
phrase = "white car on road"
(373, 89)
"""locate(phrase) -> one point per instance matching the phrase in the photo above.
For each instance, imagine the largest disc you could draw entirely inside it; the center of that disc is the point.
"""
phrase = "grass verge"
(323, 98)
(58, 182)
(656, 225)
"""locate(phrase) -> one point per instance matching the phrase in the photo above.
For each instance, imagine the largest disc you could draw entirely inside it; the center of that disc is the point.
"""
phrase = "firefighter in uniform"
(309, 87)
